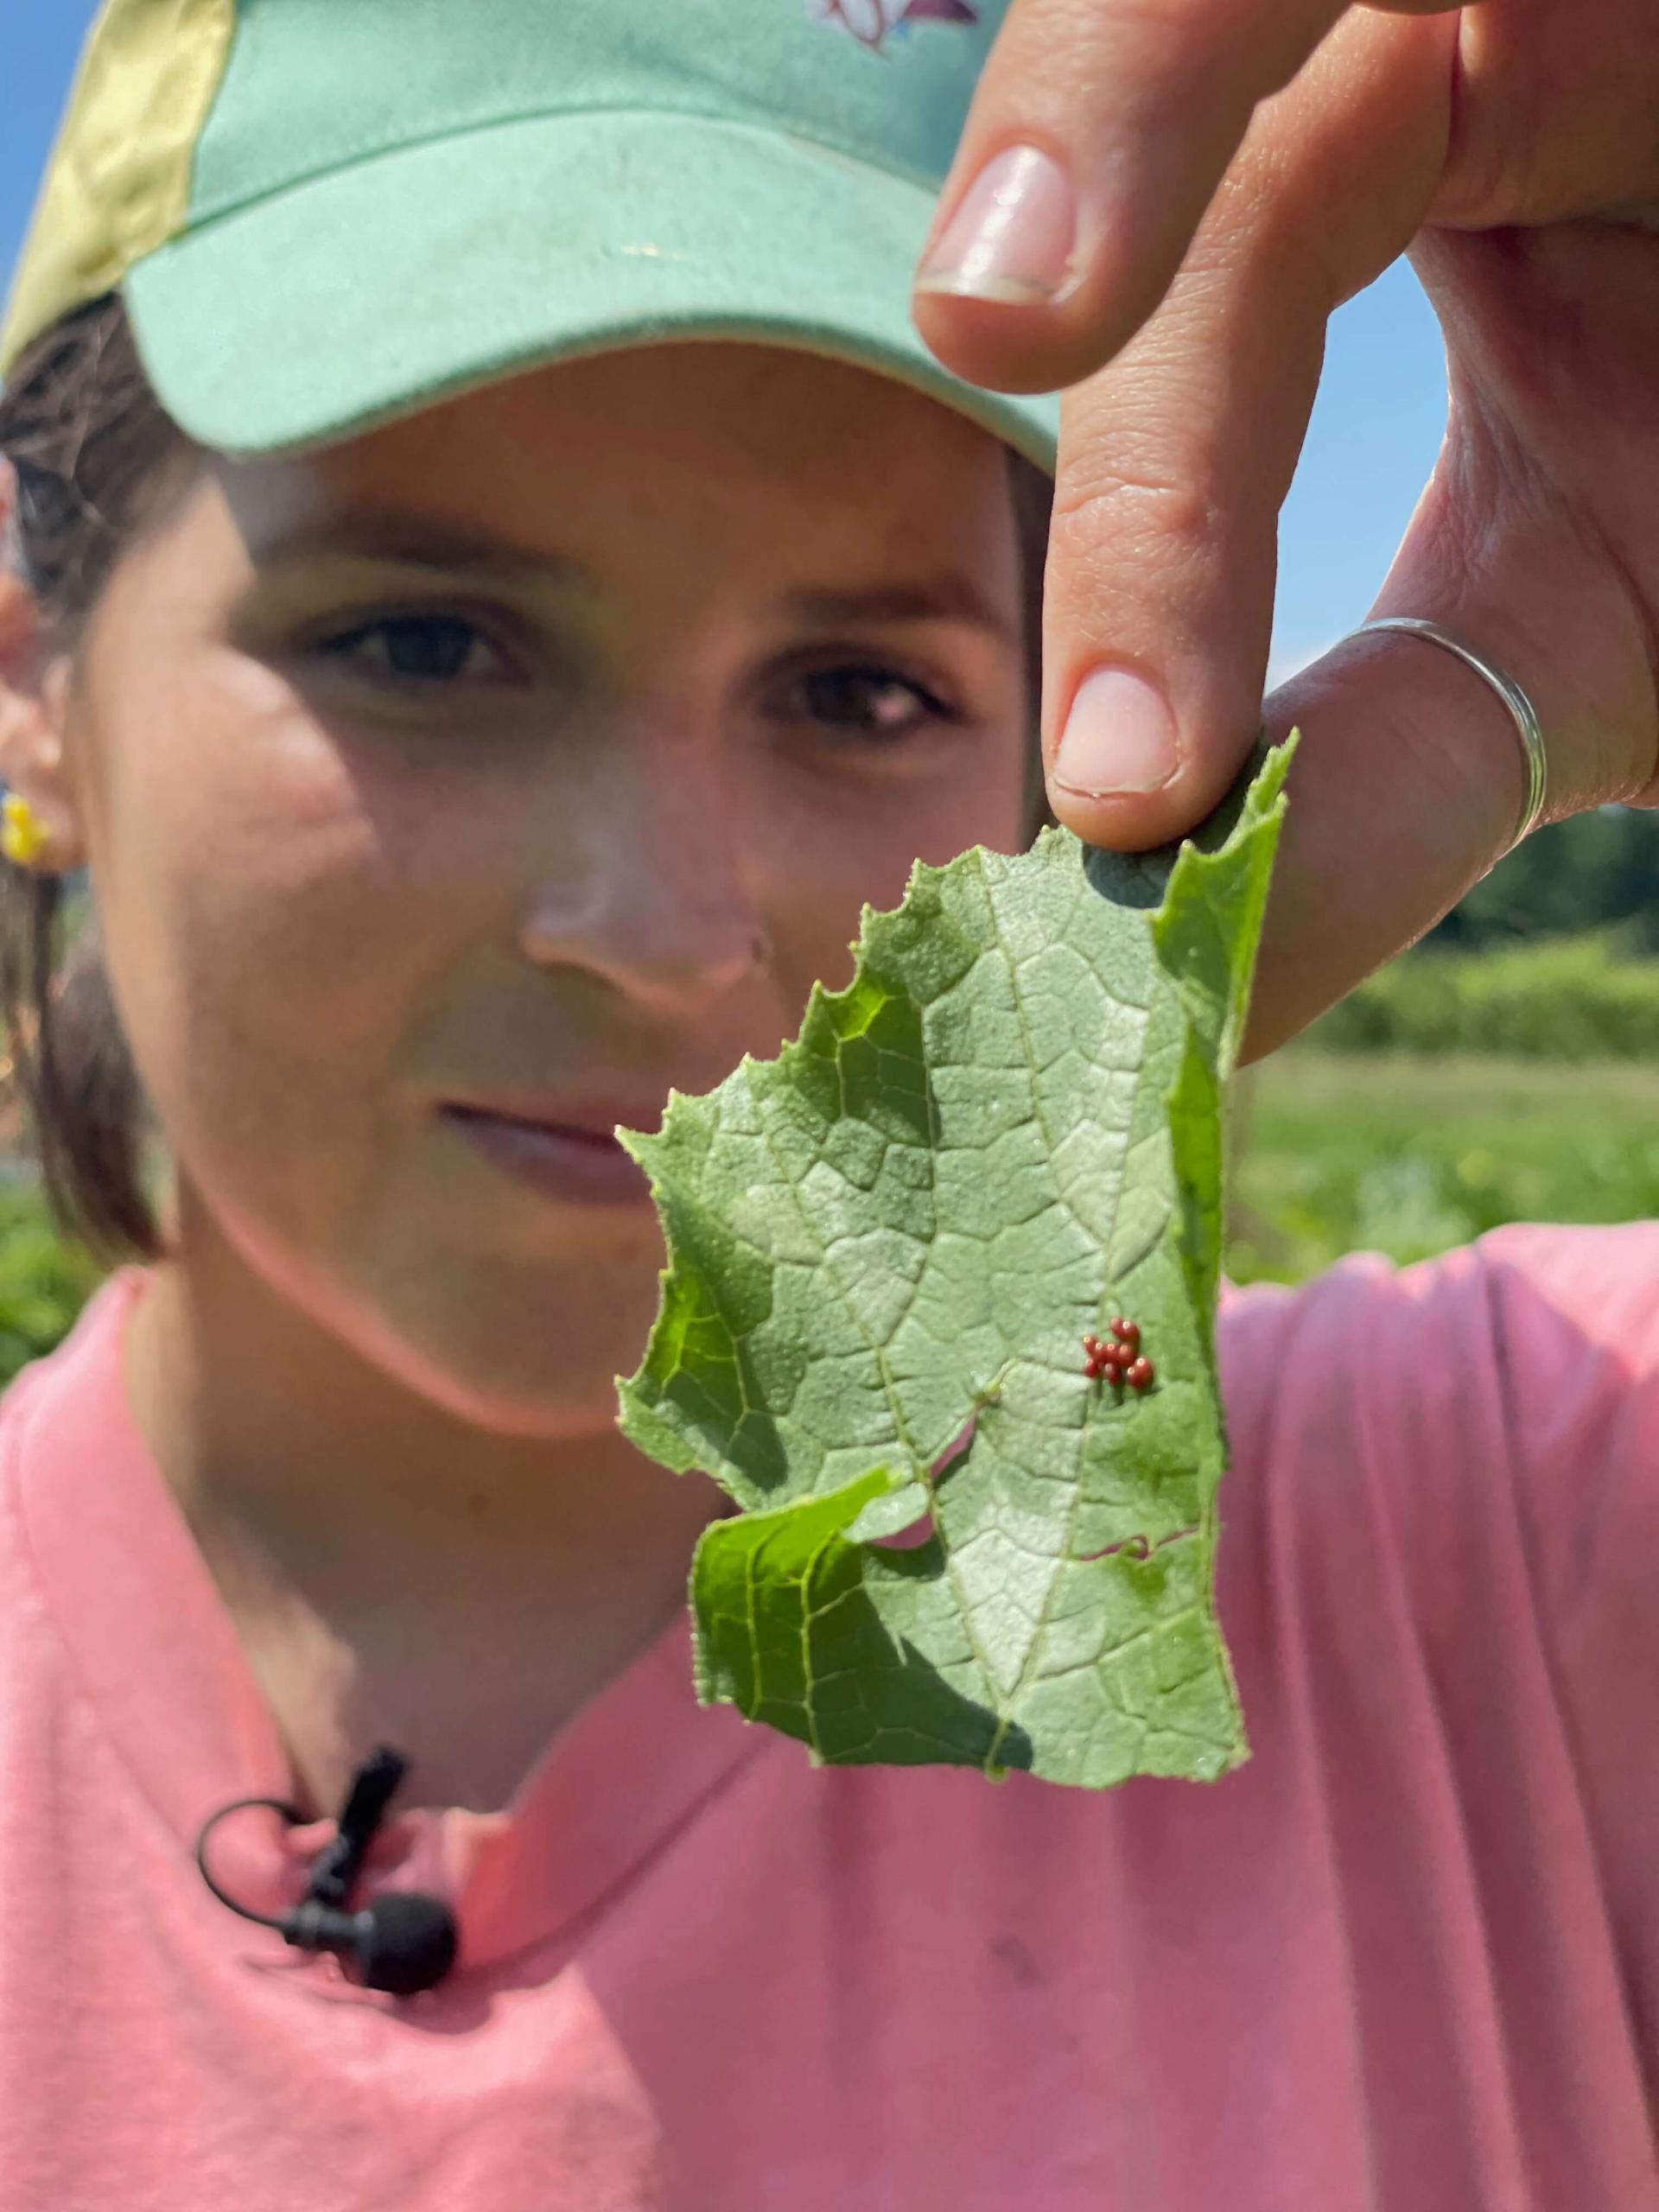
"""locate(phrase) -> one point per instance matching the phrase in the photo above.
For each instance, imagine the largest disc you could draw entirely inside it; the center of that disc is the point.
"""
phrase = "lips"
(566, 1150)
(598, 1118)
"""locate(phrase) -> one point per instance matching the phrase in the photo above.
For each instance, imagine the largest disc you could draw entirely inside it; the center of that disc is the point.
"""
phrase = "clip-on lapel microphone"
(404, 1941)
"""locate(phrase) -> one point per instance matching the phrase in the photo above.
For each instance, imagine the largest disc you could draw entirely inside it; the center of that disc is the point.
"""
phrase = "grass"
(1336, 1153)
(43, 1281)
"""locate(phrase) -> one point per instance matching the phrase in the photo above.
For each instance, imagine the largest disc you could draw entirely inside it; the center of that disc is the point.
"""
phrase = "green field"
(1350, 1151)
(43, 1281)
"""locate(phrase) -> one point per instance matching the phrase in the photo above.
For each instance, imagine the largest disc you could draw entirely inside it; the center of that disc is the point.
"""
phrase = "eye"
(418, 649)
(866, 700)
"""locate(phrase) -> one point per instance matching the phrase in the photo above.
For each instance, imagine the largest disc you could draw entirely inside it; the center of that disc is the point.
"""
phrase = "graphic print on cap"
(871, 21)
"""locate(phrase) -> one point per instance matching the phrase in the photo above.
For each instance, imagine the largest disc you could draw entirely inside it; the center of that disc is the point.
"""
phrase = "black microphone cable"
(404, 1941)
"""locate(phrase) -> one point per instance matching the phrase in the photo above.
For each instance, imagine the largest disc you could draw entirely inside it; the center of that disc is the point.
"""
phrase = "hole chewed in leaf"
(1135, 1547)
(898, 1521)
(915, 1501)
(956, 1450)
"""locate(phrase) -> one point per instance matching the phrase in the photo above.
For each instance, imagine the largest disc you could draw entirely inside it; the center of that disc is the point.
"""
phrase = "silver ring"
(1520, 707)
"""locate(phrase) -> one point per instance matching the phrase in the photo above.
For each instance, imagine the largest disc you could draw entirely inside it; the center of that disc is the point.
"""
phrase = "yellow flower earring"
(23, 836)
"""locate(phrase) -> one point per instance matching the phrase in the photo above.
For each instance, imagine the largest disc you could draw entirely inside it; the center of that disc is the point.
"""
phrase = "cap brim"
(381, 288)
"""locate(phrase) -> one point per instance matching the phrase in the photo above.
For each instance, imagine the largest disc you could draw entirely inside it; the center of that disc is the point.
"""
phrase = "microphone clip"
(337, 1866)
(402, 1943)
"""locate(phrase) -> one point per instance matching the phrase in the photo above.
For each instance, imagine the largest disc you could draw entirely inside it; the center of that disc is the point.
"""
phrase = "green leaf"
(885, 1248)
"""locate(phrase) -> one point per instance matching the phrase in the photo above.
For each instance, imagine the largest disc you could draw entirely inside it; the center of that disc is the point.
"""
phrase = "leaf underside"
(885, 1248)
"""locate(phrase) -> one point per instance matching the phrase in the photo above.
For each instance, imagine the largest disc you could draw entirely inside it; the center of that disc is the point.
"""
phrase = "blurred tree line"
(1554, 955)
(1596, 871)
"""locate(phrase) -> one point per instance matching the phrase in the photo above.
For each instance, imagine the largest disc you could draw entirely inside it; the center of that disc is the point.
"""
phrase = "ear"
(34, 702)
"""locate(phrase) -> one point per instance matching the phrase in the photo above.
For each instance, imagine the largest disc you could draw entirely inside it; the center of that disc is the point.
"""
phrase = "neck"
(392, 1572)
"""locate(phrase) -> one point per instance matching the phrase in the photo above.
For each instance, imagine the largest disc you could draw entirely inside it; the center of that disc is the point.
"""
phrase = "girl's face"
(536, 753)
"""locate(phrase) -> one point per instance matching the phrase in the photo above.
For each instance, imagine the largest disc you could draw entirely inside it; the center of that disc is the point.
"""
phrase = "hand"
(1213, 179)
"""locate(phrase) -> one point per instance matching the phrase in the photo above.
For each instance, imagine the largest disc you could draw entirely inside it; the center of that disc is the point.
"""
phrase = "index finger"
(1099, 134)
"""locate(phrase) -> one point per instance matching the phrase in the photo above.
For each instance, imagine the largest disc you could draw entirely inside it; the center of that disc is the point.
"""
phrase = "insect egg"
(1142, 1374)
(1127, 1332)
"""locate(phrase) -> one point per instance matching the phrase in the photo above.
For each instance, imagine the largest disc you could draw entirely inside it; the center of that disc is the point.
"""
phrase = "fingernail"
(1012, 238)
(1120, 738)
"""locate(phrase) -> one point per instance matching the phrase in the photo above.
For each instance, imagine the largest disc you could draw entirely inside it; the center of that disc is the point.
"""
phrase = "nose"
(652, 895)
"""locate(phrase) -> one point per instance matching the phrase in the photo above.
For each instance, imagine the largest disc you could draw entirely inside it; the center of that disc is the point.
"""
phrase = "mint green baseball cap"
(323, 214)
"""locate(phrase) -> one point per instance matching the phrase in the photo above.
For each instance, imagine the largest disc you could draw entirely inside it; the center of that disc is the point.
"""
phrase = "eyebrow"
(949, 597)
(407, 541)
(411, 542)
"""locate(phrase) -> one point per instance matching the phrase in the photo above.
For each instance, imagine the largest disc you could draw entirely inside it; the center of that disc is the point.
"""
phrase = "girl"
(499, 587)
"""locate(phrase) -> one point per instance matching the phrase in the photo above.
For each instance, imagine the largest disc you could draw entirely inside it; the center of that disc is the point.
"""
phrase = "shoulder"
(1603, 1280)
(1546, 1325)
(1511, 1386)
(71, 1400)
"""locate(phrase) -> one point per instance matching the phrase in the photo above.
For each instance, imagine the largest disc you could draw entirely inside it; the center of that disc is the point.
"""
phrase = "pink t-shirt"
(1407, 1960)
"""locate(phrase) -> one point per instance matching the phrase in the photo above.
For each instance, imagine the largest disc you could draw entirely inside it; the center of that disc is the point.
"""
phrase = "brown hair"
(92, 454)
(96, 457)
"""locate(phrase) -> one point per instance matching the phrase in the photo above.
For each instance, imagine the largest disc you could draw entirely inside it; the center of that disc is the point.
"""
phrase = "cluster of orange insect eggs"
(1120, 1359)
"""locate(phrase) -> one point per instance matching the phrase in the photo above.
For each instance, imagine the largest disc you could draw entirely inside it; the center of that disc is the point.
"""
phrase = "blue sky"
(1374, 436)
